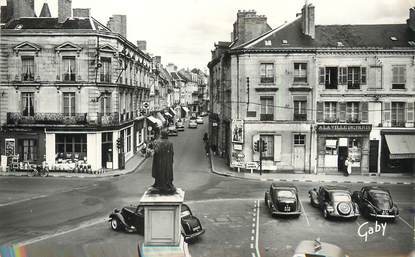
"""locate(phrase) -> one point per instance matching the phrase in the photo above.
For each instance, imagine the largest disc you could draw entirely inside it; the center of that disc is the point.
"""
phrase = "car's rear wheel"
(115, 224)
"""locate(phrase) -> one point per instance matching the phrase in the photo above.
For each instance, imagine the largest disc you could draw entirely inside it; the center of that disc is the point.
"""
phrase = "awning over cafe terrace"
(401, 146)
(156, 122)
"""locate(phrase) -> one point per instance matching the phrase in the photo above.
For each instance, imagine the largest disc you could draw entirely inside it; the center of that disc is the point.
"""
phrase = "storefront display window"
(70, 147)
(331, 146)
(355, 149)
(128, 132)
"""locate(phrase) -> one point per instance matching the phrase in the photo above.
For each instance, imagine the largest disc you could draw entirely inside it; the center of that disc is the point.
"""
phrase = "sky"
(184, 32)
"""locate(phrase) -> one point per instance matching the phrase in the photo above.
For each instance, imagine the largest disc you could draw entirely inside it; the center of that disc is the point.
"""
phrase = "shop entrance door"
(373, 156)
(299, 153)
(342, 156)
(106, 150)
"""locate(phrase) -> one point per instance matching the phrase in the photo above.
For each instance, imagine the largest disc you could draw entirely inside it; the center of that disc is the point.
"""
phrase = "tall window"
(267, 72)
(69, 104)
(353, 77)
(300, 72)
(28, 104)
(267, 108)
(398, 114)
(28, 151)
(105, 75)
(269, 153)
(28, 68)
(330, 111)
(398, 77)
(352, 111)
(106, 105)
(300, 110)
(328, 77)
(69, 69)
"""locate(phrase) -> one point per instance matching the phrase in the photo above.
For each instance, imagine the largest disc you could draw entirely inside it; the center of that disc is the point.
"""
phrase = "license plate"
(385, 212)
(287, 208)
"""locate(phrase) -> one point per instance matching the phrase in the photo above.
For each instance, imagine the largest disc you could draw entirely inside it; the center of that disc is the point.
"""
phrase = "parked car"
(376, 202)
(192, 123)
(283, 200)
(334, 201)
(180, 126)
(316, 248)
(131, 219)
(172, 130)
(203, 114)
(199, 120)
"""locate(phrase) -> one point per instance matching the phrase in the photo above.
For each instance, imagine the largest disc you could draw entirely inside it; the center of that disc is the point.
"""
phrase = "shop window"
(300, 72)
(398, 114)
(267, 72)
(70, 147)
(299, 139)
(331, 146)
(128, 138)
(105, 74)
(330, 111)
(269, 153)
(28, 150)
(28, 68)
(69, 103)
(398, 76)
(355, 149)
(300, 110)
(28, 104)
(107, 137)
(352, 112)
(69, 69)
(267, 108)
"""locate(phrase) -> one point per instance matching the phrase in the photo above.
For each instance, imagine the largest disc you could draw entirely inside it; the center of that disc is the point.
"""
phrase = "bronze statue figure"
(162, 170)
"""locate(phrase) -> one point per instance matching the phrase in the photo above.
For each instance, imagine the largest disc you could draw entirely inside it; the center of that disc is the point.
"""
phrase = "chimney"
(118, 24)
(142, 45)
(81, 12)
(64, 10)
(22, 8)
(411, 20)
(45, 11)
(248, 26)
(308, 25)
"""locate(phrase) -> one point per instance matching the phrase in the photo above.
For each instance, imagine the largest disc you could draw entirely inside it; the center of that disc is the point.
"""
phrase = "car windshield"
(285, 194)
(341, 197)
(381, 199)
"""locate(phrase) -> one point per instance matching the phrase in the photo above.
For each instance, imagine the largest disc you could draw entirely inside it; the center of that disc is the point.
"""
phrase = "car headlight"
(330, 208)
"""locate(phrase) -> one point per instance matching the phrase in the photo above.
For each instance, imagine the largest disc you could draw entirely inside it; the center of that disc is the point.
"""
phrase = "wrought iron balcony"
(300, 116)
(267, 79)
(108, 119)
(267, 117)
(398, 124)
(18, 118)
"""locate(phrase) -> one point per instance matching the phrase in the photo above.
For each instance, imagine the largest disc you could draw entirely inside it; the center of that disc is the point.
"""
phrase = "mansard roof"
(289, 35)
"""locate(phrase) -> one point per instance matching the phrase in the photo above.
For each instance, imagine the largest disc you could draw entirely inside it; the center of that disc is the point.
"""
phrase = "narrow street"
(61, 214)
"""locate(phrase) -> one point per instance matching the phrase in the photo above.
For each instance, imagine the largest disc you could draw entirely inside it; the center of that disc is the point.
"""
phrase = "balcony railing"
(353, 85)
(47, 118)
(398, 124)
(353, 120)
(267, 117)
(267, 79)
(331, 119)
(108, 119)
(300, 116)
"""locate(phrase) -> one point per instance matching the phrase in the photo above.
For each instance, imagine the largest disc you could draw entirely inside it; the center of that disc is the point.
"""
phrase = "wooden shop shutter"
(320, 114)
(322, 75)
(277, 148)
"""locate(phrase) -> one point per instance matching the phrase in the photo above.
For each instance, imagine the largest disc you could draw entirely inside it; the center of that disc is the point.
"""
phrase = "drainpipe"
(237, 86)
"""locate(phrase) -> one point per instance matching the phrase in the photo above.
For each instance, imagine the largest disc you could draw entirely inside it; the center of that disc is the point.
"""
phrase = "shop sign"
(237, 131)
(238, 164)
(252, 165)
(344, 127)
(214, 124)
(10, 146)
(237, 147)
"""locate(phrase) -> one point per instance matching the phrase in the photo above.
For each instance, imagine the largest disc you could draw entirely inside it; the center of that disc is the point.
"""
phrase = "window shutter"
(321, 76)
(277, 148)
(363, 75)
(395, 74)
(410, 112)
(102, 110)
(342, 112)
(339, 75)
(387, 112)
(364, 112)
(255, 155)
(403, 70)
(320, 107)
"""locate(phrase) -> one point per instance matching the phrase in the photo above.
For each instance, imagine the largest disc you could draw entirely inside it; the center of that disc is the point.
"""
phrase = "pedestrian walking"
(207, 148)
(348, 163)
(205, 137)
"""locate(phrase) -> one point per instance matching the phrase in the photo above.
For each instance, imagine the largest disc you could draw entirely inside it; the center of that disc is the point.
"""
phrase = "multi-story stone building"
(70, 88)
(317, 95)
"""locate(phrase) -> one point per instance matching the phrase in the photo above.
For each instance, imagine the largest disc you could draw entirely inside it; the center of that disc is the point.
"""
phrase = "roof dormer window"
(285, 42)
(268, 43)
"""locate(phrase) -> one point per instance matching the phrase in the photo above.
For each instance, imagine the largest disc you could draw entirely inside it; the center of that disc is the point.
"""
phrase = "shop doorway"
(373, 156)
(299, 153)
(107, 153)
(342, 156)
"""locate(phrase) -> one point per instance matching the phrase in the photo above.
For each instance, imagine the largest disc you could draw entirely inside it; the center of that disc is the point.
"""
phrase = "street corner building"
(72, 91)
(316, 94)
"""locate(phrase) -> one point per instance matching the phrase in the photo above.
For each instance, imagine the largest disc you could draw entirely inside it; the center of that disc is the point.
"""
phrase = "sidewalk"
(130, 166)
(219, 167)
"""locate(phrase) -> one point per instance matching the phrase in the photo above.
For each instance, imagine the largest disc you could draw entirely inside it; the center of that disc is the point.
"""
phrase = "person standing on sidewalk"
(348, 164)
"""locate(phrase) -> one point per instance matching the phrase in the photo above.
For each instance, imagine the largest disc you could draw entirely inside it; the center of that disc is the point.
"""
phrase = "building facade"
(316, 94)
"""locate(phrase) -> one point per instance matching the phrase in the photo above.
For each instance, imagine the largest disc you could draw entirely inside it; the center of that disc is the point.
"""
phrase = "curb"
(81, 175)
(235, 175)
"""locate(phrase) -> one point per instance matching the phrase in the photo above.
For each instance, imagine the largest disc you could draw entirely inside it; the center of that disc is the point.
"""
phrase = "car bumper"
(384, 216)
(352, 215)
(180, 129)
(274, 212)
(194, 235)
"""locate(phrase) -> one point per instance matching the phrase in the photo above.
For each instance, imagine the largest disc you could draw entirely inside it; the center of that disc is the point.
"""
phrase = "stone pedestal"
(162, 218)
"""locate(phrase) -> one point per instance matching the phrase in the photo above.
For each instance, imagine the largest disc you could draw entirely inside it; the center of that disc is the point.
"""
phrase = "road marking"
(252, 238)
(23, 200)
(257, 231)
(404, 221)
(253, 224)
(253, 219)
(253, 231)
(305, 214)
(59, 233)
(252, 246)
(253, 254)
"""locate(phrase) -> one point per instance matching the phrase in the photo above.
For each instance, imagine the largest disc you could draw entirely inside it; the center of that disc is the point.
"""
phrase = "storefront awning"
(401, 146)
(155, 121)
(172, 111)
(185, 109)
(160, 117)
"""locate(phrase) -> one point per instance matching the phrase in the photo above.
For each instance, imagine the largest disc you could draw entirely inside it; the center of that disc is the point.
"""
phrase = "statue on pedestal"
(162, 170)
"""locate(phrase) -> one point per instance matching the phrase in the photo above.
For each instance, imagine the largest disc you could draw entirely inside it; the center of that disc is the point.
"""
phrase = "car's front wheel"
(115, 224)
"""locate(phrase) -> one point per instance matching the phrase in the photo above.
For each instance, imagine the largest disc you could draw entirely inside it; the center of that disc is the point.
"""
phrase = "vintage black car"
(131, 219)
(283, 200)
(334, 201)
(376, 202)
